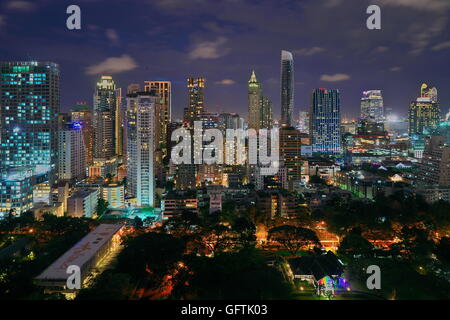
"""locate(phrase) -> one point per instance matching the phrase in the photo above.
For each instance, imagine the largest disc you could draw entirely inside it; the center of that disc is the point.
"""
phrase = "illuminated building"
(29, 107)
(163, 109)
(72, 153)
(82, 114)
(175, 203)
(259, 106)
(287, 88)
(372, 108)
(16, 191)
(83, 203)
(141, 147)
(435, 162)
(325, 122)
(86, 254)
(424, 112)
(114, 194)
(196, 105)
(290, 152)
(107, 119)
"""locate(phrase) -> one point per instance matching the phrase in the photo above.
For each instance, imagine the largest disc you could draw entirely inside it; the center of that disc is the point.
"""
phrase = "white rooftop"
(81, 252)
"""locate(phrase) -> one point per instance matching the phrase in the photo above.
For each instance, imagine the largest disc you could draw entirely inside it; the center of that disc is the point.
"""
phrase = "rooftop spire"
(253, 77)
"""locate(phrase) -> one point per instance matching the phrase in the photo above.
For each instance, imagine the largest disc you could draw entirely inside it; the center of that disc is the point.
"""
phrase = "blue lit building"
(325, 122)
(29, 102)
(16, 191)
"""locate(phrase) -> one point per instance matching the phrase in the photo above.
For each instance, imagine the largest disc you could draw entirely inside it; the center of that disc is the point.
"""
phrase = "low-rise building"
(83, 203)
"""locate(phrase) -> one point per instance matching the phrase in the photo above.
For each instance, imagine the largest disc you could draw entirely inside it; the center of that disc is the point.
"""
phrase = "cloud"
(209, 49)
(20, 5)
(381, 49)
(226, 82)
(440, 46)
(112, 35)
(395, 69)
(2, 20)
(421, 36)
(432, 5)
(113, 65)
(335, 77)
(309, 51)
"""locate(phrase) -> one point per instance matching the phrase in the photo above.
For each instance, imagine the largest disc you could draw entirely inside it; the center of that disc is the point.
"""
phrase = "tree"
(354, 243)
(102, 206)
(150, 255)
(109, 286)
(293, 238)
(231, 275)
(443, 249)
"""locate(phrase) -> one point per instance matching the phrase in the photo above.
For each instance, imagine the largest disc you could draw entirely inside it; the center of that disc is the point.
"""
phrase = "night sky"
(223, 40)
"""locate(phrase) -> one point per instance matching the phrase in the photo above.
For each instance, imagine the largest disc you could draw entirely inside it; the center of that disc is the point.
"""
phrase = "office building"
(196, 104)
(107, 120)
(372, 107)
(82, 114)
(424, 113)
(83, 203)
(287, 88)
(325, 122)
(29, 107)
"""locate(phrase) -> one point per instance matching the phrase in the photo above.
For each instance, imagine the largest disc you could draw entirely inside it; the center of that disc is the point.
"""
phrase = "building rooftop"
(80, 253)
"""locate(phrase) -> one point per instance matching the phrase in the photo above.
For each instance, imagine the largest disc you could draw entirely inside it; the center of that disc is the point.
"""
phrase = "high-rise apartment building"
(72, 153)
(325, 122)
(163, 91)
(196, 104)
(141, 147)
(372, 107)
(82, 114)
(107, 119)
(29, 107)
(287, 88)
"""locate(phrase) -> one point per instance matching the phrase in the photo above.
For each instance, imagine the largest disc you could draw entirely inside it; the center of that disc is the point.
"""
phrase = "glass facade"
(29, 102)
(287, 88)
(326, 121)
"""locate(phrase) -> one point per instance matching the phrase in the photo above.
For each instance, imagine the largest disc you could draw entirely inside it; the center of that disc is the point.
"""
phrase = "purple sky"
(223, 40)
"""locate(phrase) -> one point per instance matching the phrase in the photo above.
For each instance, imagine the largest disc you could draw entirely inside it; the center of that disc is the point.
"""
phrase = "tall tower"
(141, 146)
(82, 114)
(254, 98)
(424, 113)
(163, 108)
(287, 88)
(372, 108)
(196, 105)
(325, 121)
(106, 119)
(29, 107)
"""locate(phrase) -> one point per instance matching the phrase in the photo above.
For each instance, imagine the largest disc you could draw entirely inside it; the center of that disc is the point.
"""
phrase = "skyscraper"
(424, 112)
(254, 98)
(163, 108)
(325, 125)
(141, 146)
(82, 114)
(196, 104)
(287, 88)
(259, 106)
(107, 119)
(372, 108)
(29, 107)
(290, 152)
(72, 153)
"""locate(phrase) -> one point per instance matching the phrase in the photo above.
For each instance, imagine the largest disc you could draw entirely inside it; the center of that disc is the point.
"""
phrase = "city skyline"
(224, 48)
